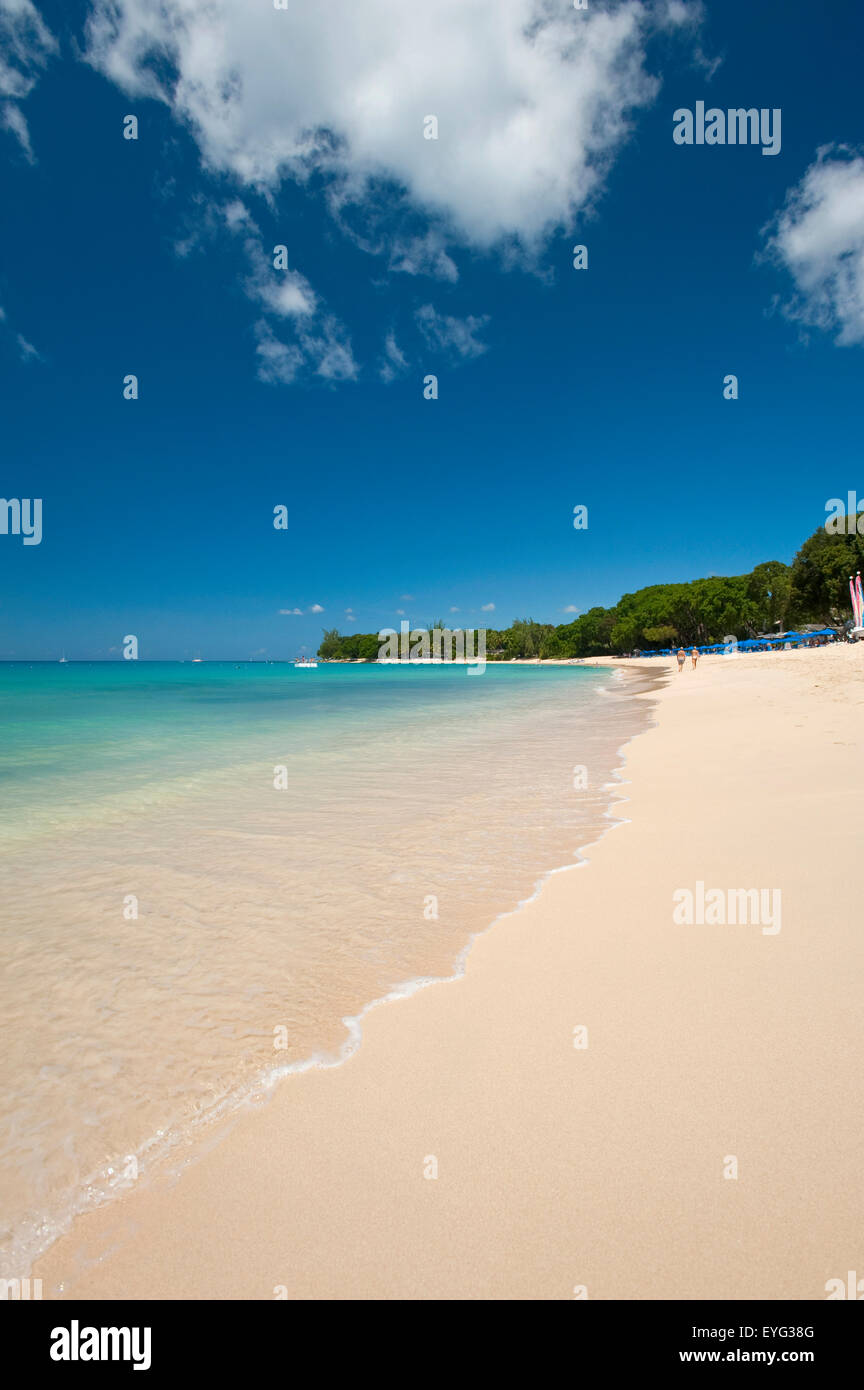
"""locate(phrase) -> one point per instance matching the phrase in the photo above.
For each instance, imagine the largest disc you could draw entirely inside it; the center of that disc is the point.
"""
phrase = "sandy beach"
(707, 1142)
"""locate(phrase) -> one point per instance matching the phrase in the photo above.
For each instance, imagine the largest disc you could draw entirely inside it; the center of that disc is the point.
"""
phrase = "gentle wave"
(258, 909)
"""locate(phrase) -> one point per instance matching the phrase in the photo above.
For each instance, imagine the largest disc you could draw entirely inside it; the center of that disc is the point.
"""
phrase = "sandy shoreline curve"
(475, 1148)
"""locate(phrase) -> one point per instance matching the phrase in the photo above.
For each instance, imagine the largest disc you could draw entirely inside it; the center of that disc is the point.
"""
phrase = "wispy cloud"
(423, 255)
(446, 333)
(327, 348)
(393, 361)
(26, 351)
(323, 350)
(283, 293)
(278, 362)
(487, 608)
(26, 46)
(297, 335)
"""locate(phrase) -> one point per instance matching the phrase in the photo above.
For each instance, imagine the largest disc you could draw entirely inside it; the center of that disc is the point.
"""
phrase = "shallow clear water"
(418, 804)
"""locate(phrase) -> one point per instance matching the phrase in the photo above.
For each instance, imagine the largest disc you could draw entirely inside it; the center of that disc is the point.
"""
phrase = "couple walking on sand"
(682, 657)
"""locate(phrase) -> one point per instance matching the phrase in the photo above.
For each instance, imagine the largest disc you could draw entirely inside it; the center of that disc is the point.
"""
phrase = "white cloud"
(324, 349)
(386, 226)
(533, 100)
(689, 15)
(285, 293)
(26, 351)
(291, 612)
(12, 119)
(205, 219)
(237, 216)
(318, 342)
(327, 348)
(571, 608)
(445, 333)
(393, 362)
(454, 610)
(26, 45)
(487, 608)
(818, 238)
(400, 612)
(316, 608)
(423, 255)
(407, 598)
(278, 361)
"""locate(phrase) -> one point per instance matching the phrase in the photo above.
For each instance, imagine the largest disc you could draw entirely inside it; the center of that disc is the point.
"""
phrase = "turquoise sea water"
(77, 739)
(210, 870)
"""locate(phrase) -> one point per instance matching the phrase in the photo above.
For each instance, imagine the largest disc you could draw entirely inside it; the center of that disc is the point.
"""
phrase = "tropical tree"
(662, 636)
(331, 643)
(820, 576)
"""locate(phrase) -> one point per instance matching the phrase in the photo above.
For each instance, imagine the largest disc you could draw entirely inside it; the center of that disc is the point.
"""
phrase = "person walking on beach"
(682, 657)
(695, 657)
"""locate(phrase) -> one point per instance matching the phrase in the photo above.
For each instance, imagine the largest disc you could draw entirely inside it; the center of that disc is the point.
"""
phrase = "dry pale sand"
(603, 1166)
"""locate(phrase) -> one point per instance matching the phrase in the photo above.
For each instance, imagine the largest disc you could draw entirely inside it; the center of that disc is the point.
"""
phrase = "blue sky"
(260, 387)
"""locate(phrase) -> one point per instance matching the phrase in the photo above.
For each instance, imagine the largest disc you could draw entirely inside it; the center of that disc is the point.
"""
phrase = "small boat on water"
(305, 663)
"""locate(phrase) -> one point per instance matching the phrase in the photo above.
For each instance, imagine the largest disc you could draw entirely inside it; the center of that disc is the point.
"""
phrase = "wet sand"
(474, 1148)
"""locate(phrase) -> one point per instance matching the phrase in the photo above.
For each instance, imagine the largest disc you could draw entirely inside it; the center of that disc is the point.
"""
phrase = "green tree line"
(813, 589)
